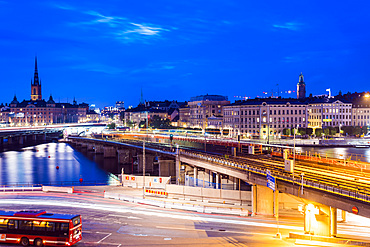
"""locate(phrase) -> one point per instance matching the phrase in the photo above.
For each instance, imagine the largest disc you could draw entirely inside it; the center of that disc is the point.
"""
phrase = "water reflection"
(37, 165)
(361, 154)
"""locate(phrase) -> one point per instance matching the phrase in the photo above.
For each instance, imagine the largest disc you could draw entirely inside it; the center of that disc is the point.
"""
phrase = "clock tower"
(36, 85)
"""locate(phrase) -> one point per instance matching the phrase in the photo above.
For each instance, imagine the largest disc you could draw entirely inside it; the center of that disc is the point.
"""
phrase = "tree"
(309, 131)
(348, 130)
(302, 131)
(333, 130)
(111, 125)
(318, 132)
(130, 123)
(286, 132)
(159, 123)
(326, 131)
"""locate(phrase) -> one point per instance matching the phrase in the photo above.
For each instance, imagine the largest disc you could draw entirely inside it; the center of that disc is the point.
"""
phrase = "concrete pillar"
(1, 141)
(99, 149)
(20, 140)
(217, 180)
(195, 176)
(123, 156)
(344, 216)
(90, 147)
(263, 200)
(84, 145)
(178, 164)
(34, 137)
(166, 168)
(10, 140)
(276, 204)
(109, 152)
(149, 158)
(320, 220)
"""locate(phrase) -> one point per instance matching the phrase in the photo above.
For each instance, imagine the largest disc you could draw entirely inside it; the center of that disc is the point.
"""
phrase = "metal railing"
(355, 194)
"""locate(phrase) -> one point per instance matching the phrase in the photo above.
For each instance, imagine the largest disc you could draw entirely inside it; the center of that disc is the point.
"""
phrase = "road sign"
(270, 182)
(354, 210)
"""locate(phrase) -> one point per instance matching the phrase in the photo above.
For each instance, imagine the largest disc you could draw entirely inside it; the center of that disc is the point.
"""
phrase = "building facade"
(203, 107)
(37, 111)
(264, 117)
(329, 112)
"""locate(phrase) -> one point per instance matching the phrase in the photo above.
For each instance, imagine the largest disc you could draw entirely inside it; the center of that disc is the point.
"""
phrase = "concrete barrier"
(150, 182)
(11, 189)
(57, 189)
(179, 191)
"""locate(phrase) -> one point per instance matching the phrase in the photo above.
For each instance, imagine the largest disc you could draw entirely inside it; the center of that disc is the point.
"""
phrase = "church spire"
(36, 84)
(36, 75)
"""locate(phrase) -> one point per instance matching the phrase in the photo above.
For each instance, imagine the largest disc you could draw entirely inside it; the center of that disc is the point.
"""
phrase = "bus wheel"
(25, 241)
(38, 242)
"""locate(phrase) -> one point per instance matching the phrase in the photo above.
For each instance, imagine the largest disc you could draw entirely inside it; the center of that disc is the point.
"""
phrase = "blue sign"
(270, 182)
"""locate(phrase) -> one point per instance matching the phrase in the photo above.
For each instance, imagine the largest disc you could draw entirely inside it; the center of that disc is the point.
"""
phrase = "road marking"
(213, 230)
(128, 217)
(103, 238)
(103, 232)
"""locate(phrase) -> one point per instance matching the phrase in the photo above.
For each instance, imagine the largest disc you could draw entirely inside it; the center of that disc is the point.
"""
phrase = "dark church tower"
(36, 85)
(301, 88)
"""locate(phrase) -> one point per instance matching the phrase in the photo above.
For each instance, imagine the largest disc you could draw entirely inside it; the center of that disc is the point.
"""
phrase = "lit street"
(109, 222)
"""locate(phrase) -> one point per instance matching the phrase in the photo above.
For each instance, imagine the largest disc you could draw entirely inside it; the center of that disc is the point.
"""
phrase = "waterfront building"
(329, 112)
(184, 116)
(200, 108)
(361, 109)
(264, 117)
(37, 111)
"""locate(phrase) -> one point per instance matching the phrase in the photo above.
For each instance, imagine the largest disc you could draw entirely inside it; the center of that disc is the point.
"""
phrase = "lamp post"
(144, 169)
(302, 174)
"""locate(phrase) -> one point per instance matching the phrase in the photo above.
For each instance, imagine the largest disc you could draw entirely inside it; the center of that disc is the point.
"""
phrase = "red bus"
(39, 228)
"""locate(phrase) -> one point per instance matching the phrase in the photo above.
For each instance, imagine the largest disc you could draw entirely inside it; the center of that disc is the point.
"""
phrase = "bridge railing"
(355, 194)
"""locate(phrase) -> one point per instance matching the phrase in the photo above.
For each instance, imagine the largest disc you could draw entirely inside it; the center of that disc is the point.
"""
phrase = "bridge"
(21, 136)
(322, 185)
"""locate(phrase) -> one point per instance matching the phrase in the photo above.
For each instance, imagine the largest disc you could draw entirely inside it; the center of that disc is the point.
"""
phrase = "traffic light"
(171, 137)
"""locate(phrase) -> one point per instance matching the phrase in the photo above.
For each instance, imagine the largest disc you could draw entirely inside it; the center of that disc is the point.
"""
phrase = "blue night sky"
(104, 51)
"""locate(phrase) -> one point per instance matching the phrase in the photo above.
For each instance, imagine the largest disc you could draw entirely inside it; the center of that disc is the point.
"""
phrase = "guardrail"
(280, 176)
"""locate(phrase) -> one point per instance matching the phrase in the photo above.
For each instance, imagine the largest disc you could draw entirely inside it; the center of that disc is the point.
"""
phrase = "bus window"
(64, 228)
(39, 225)
(13, 224)
(76, 220)
(3, 224)
(50, 226)
(25, 224)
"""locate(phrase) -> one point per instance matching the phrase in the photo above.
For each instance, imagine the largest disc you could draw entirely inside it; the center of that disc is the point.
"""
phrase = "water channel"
(38, 165)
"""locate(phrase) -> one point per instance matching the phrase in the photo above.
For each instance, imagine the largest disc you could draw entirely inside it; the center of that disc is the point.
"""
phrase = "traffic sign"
(354, 210)
(271, 182)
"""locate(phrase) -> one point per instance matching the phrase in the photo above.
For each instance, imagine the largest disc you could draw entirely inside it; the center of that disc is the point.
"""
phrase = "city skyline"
(101, 53)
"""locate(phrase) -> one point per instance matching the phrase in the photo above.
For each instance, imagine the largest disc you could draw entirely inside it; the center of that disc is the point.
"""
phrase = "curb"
(333, 240)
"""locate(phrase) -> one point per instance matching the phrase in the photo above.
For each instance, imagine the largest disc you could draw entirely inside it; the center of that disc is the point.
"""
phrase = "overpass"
(19, 136)
(321, 187)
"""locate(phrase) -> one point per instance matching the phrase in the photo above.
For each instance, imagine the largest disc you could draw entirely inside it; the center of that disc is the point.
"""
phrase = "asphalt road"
(108, 222)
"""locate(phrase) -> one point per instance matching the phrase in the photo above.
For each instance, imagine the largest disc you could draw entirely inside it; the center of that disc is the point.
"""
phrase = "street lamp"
(302, 174)
(144, 169)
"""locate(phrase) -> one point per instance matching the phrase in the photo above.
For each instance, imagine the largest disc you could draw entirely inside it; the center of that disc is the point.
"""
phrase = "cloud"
(96, 67)
(145, 30)
(120, 28)
(135, 32)
(293, 26)
(65, 7)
